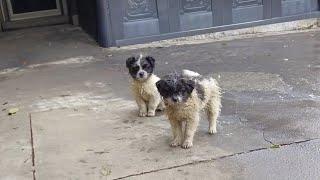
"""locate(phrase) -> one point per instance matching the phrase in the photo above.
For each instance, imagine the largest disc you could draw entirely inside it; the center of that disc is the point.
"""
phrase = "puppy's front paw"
(151, 113)
(212, 131)
(187, 144)
(175, 143)
(142, 114)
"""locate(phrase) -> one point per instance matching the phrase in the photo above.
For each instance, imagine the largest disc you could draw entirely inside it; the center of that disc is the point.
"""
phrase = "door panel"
(195, 14)
(247, 10)
(136, 18)
(293, 7)
(141, 18)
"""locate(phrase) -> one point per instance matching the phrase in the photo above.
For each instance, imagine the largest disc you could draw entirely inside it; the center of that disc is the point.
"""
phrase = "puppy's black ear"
(130, 61)
(189, 85)
(161, 84)
(151, 60)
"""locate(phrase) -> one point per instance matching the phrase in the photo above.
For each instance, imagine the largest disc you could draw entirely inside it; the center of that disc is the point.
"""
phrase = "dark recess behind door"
(87, 10)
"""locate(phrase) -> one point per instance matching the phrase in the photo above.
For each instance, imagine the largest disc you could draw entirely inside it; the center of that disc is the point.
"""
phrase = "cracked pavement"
(84, 121)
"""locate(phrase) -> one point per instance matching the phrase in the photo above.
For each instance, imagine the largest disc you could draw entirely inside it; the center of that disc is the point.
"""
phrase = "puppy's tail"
(190, 74)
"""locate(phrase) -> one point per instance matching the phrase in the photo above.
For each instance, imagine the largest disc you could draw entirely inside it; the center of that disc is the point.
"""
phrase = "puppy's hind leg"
(213, 111)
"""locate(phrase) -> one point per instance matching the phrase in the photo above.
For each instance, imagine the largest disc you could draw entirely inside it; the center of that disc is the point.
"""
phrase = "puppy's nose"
(141, 74)
(175, 99)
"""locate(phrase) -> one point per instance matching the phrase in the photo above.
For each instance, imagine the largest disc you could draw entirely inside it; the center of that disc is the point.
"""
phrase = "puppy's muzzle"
(141, 74)
(175, 99)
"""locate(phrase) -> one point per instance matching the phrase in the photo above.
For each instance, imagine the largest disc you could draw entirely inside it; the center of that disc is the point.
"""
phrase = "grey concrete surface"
(123, 143)
(287, 162)
(15, 148)
(85, 121)
(29, 46)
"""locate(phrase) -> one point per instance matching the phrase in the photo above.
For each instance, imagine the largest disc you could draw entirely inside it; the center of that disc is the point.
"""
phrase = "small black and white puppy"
(144, 84)
(185, 95)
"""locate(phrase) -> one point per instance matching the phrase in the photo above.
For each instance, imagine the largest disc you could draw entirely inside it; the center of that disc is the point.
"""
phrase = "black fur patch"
(130, 61)
(132, 66)
(145, 65)
(151, 60)
(174, 86)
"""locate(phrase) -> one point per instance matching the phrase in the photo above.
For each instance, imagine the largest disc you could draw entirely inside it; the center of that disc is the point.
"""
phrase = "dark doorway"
(28, 9)
(26, 6)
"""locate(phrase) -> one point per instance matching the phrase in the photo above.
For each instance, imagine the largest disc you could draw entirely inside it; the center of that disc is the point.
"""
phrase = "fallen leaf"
(83, 161)
(101, 152)
(13, 111)
(274, 146)
(65, 95)
(105, 171)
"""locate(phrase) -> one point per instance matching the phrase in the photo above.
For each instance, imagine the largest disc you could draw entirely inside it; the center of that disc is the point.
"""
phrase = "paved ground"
(84, 122)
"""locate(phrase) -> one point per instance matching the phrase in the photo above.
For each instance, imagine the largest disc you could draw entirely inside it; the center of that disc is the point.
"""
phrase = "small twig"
(267, 139)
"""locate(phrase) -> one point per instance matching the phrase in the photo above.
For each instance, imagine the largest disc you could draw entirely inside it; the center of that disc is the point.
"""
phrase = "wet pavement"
(85, 125)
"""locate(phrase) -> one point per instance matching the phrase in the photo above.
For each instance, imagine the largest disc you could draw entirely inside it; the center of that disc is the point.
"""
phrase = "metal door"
(136, 21)
(141, 18)
(136, 18)
(293, 7)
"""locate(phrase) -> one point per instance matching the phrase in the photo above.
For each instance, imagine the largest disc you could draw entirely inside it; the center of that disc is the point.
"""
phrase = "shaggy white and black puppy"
(185, 95)
(144, 85)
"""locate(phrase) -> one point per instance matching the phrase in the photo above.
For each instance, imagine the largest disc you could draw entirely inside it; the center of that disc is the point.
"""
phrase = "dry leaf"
(274, 146)
(13, 111)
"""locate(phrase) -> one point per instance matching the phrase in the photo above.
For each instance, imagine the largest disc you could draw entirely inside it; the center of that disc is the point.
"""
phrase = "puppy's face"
(140, 68)
(175, 89)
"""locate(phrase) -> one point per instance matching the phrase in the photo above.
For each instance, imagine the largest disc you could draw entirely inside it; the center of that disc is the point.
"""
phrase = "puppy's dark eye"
(144, 66)
(180, 88)
(135, 68)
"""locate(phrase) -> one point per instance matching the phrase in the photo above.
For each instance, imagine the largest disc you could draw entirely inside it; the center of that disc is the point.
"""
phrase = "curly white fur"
(189, 111)
(147, 96)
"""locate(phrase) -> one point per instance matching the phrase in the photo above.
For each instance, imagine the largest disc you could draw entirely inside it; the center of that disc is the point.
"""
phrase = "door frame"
(35, 14)
(2, 16)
